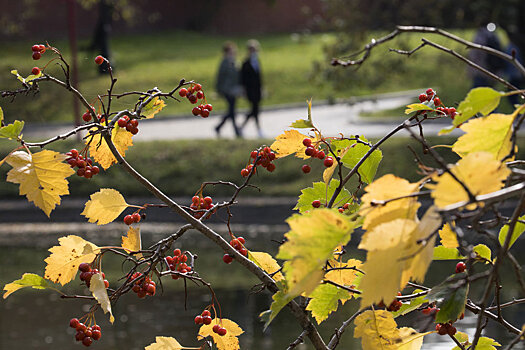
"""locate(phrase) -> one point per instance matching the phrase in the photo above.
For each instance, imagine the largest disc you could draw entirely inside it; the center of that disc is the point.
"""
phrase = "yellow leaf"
(325, 299)
(328, 172)
(225, 342)
(310, 243)
(42, 177)
(98, 289)
(132, 242)
(448, 237)
(153, 107)
(165, 343)
(290, 142)
(99, 149)
(479, 171)
(62, 264)
(488, 134)
(104, 206)
(414, 107)
(385, 188)
(387, 235)
(346, 275)
(378, 330)
(27, 280)
(267, 263)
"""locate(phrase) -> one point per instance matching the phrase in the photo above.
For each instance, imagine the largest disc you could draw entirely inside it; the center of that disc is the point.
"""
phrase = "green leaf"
(353, 155)
(325, 300)
(280, 300)
(451, 297)
(301, 124)
(323, 193)
(483, 252)
(443, 253)
(519, 228)
(414, 304)
(12, 131)
(484, 343)
(27, 280)
(311, 241)
(1, 116)
(479, 100)
(417, 107)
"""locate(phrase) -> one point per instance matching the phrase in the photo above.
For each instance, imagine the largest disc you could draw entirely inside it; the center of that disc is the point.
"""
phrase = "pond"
(32, 319)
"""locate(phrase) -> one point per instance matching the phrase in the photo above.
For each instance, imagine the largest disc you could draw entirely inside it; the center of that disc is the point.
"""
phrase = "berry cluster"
(199, 203)
(38, 50)
(264, 158)
(131, 125)
(143, 286)
(177, 262)
(132, 218)
(446, 328)
(394, 305)
(460, 267)
(344, 207)
(448, 111)
(430, 95)
(238, 244)
(203, 110)
(86, 273)
(85, 165)
(203, 318)
(85, 334)
(430, 310)
(314, 152)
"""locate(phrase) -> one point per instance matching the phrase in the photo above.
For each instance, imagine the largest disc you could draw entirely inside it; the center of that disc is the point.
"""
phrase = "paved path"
(331, 119)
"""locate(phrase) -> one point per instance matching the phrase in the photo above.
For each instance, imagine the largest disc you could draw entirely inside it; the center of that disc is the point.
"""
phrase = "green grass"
(162, 59)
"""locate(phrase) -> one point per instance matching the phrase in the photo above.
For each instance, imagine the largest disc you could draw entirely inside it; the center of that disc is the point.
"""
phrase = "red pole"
(71, 17)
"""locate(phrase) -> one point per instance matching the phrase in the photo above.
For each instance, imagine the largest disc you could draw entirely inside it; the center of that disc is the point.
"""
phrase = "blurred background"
(155, 44)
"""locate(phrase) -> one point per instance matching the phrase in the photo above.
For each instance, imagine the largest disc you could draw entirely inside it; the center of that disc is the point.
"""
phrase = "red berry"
(222, 331)
(227, 258)
(320, 155)
(81, 171)
(208, 200)
(206, 320)
(128, 220)
(243, 251)
(74, 322)
(150, 289)
(306, 168)
(88, 174)
(183, 92)
(270, 167)
(216, 328)
(99, 60)
(134, 130)
(328, 162)
(106, 284)
(429, 91)
(142, 294)
(316, 203)
(79, 336)
(198, 319)
(205, 113)
(241, 239)
(437, 101)
(192, 98)
(422, 98)
(35, 70)
(307, 142)
(451, 330)
(197, 87)
(245, 172)
(87, 341)
(441, 329)
(74, 153)
(36, 55)
(86, 116)
(35, 48)
(42, 48)
(206, 313)
(460, 267)
(209, 107)
(176, 252)
(199, 94)
(95, 169)
(84, 267)
(235, 243)
(122, 122)
(135, 217)
(97, 334)
(134, 123)
(310, 151)
(196, 111)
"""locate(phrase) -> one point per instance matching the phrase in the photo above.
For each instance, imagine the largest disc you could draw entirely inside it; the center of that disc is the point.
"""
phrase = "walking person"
(252, 83)
(228, 85)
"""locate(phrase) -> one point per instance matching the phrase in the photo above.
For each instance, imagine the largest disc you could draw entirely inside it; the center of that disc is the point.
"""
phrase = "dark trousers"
(254, 113)
(230, 115)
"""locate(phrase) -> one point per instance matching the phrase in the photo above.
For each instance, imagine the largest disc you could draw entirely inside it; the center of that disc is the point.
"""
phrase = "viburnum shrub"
(461, 221)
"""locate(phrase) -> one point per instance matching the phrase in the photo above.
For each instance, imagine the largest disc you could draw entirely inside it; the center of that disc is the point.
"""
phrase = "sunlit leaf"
(153, 107)
(266, 262)
(325, 300)
(323, 192)
(225, 342)
(309, 244)
(417, 107)
(165, 343)
(414, 304)
(484, 343)
(488, 134)
(353, 152)
(291, 141)
(448, 237)
(444, 253)
(302, 124)
(132, 242)
(12, 131)
(479, 171)
(104, 206)
(479, 100)
(385, 188)
(62, 264)
(519, 228)
(344, 273)
(98, 289)
(27, 280)
(483, 252)
(99, 149)
(42, 177)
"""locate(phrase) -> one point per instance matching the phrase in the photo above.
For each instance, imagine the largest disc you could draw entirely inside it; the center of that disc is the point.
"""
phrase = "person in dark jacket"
(228, 85)
(252, 82)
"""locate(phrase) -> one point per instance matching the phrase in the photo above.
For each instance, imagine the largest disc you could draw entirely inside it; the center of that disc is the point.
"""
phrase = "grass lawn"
(161, 59)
